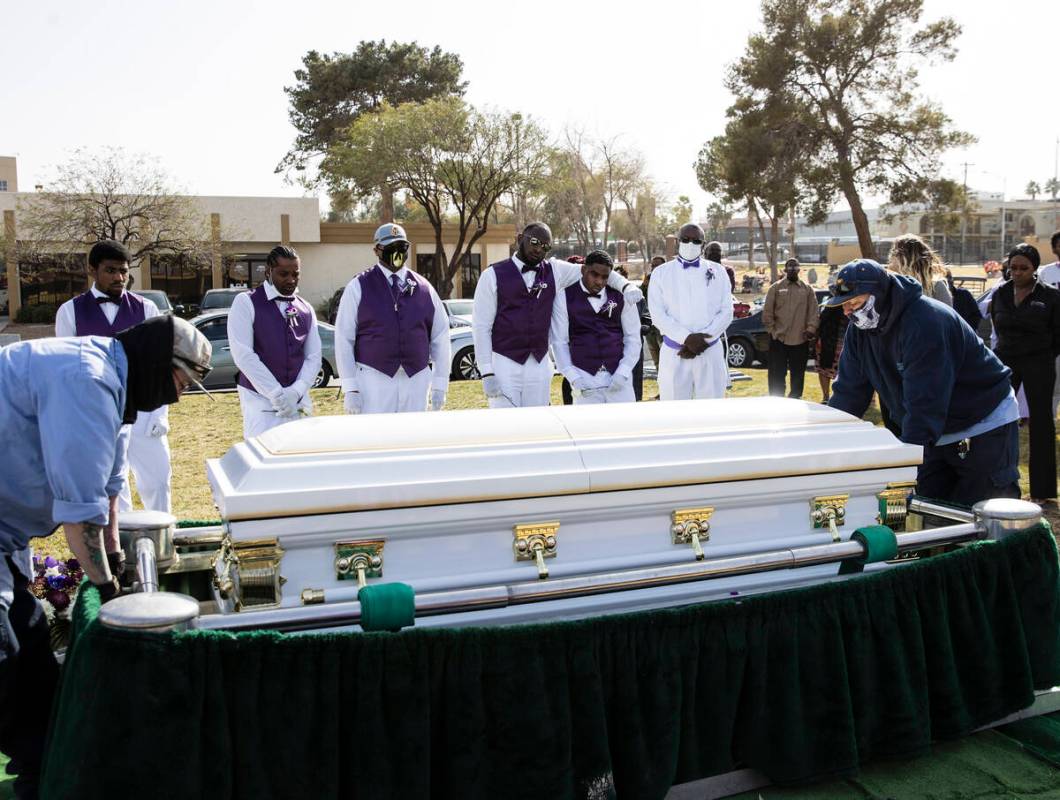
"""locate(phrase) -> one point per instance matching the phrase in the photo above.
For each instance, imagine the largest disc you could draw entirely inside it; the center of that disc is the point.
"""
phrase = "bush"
(37, 314)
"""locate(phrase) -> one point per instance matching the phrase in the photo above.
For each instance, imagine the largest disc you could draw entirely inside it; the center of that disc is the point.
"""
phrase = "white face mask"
(867, 317)
(689, 251)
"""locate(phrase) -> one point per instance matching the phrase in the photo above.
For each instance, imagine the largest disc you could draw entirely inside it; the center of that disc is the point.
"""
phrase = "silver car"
(214, 326)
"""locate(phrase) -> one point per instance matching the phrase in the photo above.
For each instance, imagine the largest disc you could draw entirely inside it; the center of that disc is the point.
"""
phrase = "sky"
(199, 85)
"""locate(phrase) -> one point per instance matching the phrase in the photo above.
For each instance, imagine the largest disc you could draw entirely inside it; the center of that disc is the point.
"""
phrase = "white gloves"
(437, 399)
(632, 294)
(293, 397)
(159, 428)
(581, 385)
(353, 403)
(491, 386)
(282, 405)
(619, 381)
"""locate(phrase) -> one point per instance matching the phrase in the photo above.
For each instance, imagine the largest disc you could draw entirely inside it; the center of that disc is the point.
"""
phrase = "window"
(52, 279)
(3, 185)
(216, 330)
(180, 277)
(470, 270)
(244, 270)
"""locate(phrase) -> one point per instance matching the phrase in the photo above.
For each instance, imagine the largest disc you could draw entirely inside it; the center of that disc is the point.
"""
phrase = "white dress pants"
(624, 395)
(259, 415)
(522, 385)
(703, 377)
(382, 394)
(149, 462)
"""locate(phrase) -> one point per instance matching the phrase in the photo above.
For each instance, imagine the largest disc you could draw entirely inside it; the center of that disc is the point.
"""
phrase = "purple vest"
(393, 331)
(90, 320)
(520, 329)
(280, 347)
(595, 338)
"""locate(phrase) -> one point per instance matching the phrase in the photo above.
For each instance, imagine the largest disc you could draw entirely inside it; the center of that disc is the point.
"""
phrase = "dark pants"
(638, 378)
(990, 468)
(567, 392)
(1037, 376)
(785, 358)
(28, 677)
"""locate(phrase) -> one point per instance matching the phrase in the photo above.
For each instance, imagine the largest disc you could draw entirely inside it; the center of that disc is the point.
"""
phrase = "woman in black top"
(1026, 316)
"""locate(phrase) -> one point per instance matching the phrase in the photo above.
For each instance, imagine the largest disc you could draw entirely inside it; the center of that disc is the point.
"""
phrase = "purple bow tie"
(689, 264)
(108, 299)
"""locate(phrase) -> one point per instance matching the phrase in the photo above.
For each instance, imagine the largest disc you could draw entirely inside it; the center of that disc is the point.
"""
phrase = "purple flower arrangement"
(55, 583)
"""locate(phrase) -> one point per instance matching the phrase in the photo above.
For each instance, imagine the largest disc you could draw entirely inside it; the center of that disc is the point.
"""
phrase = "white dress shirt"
(66, 320)
(1049, 274)
(241, 342)
(484, 312)
(561, 336)
(683, 301)
(346, 334)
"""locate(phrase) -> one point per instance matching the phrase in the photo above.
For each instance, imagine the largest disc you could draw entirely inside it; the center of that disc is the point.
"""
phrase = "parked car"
(460, 309)
(215, 299)
(748, 340)
(161, 301)
(214, 326)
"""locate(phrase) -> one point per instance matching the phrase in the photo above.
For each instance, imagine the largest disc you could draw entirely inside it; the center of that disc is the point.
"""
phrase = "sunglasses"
(688, 240)
(396, 247)
(535, 242)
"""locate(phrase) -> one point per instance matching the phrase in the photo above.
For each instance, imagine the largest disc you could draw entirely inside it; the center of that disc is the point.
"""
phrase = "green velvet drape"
(799, 684)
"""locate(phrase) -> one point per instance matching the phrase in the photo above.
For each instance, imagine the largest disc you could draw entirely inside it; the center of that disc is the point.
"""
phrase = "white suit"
(682, 301)
(381, 393)
(560, 339)
(145, 441)
(258, 413)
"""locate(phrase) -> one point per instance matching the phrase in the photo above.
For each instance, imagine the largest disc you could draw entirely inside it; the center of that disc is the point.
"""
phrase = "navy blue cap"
(863, 276)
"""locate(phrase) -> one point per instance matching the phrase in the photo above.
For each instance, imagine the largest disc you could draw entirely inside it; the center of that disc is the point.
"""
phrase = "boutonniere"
(609, 307)
(291, 315)
(410, 287)
(538, 287)
(710, 274)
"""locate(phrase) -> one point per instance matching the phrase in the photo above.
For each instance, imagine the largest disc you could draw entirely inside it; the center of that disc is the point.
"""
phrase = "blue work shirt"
(61, 406)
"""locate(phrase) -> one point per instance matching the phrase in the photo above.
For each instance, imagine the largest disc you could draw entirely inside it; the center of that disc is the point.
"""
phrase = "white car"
(460, 310)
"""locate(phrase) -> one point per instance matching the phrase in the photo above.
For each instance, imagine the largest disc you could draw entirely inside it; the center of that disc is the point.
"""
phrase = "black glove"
(116, 562)
(108, 591)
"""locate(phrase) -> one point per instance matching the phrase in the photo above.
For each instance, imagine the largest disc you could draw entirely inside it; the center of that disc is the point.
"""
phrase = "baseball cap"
(863, 276)
(191, 352)
(388, 233)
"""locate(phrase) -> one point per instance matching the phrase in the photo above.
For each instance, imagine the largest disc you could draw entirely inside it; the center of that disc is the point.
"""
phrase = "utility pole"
(964, 212)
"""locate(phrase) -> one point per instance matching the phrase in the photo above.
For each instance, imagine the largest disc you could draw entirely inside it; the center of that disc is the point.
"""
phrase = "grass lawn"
(201, 429)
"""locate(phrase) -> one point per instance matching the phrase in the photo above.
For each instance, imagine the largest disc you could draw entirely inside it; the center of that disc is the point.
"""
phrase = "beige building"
(244, 229)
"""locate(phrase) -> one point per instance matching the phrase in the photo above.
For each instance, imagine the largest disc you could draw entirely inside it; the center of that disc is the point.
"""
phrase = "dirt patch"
(30, 331)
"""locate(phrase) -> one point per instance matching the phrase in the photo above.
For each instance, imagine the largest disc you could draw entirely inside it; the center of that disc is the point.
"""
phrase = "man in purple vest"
(512, 318)
(392, 335)
(104, 310)
(276, 345)
(596, 336)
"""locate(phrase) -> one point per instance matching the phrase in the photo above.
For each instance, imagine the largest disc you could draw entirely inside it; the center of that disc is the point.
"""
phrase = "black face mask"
(149, 351)
(793, 278)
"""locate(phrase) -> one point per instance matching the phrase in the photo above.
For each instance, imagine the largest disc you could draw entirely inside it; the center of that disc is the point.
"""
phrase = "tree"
(719, 215)
(944, 203)
(851, 65)
(1033, 189)
(1052, 188)
(332, 91)
(110, 194)
(453, 161)
(641, 201)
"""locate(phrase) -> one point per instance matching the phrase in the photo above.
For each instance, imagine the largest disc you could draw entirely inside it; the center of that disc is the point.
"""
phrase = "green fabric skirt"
(799, 684)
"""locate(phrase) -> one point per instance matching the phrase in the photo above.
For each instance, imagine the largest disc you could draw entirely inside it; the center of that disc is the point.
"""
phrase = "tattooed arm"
(85, 540)
(111, 541)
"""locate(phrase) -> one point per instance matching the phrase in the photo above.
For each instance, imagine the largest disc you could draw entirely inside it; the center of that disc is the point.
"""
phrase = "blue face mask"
(867, 317)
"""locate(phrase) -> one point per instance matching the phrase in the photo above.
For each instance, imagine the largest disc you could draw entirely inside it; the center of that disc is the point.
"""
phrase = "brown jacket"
(790, 311)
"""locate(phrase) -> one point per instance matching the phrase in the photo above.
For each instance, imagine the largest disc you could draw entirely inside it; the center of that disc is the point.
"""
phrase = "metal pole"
(145, 565)
(926, 507)
(500, 596)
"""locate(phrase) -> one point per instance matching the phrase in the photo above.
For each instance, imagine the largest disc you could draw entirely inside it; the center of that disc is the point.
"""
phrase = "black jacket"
(1029, 330)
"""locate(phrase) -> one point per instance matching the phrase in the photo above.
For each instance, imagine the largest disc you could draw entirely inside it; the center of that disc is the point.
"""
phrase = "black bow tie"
(280, 297)
(597, 295)
(535, 268)
(108, 299)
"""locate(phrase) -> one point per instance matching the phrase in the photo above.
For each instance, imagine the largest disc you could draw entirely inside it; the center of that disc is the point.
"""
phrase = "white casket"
(456, 501)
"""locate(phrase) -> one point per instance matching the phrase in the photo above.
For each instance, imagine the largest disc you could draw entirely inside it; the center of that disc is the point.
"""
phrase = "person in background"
(713, 253)
(392, 335)
(275, 344)
(964, 303)
(945, 389)
(596, 335)
(565, 388)
(105, 309)
(1026, 316)
(790, 317)
(811, 276)
(831, 329)
(690, 300)
(911, 255)
(62, 404)
(1049, 274)
(652, 337)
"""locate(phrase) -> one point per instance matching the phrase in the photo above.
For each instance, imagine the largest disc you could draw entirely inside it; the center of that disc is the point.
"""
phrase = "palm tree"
(1033, 189)
(1052, 186)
